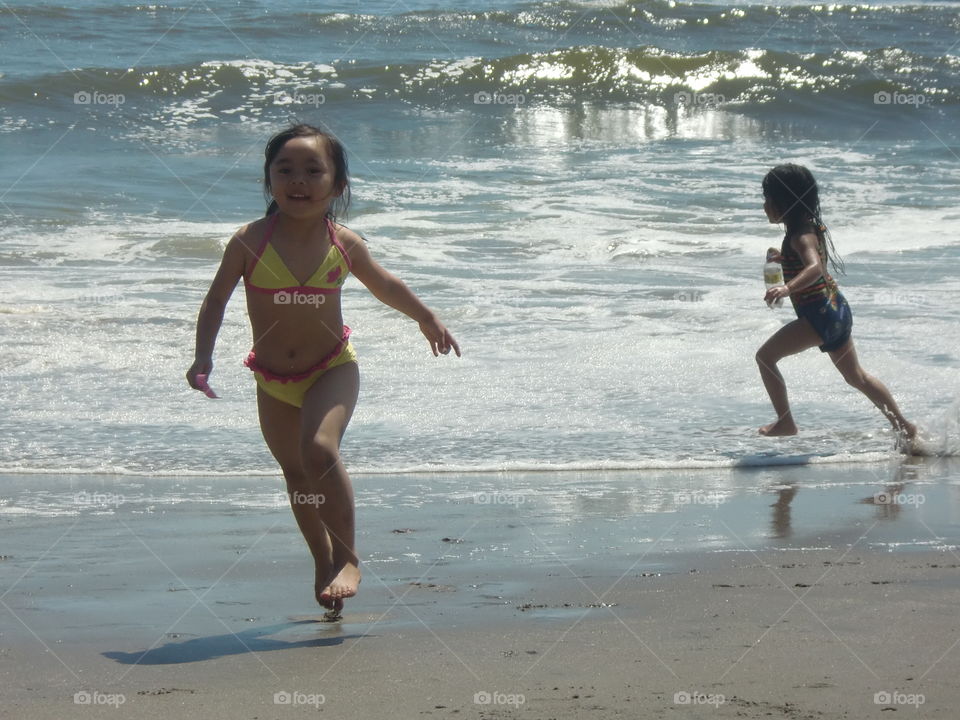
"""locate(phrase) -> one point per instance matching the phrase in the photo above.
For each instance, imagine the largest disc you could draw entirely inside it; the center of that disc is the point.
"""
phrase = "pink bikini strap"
(333, 239)
(263, 246)
(266, 238)
(268, 233)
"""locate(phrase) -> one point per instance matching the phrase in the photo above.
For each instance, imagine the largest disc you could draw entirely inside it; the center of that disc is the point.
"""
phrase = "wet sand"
(789, 600)
(798, 634)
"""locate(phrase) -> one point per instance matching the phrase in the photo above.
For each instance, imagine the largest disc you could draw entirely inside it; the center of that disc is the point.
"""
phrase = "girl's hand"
(201, 366)
(440, 339)
(775, 293)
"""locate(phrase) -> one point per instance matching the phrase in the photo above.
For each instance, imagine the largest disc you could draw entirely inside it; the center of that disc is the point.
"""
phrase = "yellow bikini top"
(271, 275)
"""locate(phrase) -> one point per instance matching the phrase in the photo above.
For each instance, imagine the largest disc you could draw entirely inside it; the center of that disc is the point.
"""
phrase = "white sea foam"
(753, 461)
(605, 325)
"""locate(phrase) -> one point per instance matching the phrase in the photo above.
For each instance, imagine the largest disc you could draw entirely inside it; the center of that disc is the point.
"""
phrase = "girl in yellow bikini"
(302, 359)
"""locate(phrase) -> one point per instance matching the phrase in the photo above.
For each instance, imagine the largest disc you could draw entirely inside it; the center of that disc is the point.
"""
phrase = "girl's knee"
(765, 359)
(320, 455)
(296, 480)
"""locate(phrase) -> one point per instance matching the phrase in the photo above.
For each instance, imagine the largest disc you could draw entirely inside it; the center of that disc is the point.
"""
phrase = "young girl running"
(293, 263)
(823, 319)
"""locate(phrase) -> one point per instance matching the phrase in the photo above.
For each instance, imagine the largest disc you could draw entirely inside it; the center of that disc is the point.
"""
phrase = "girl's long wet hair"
(793, 192)
(341, 178)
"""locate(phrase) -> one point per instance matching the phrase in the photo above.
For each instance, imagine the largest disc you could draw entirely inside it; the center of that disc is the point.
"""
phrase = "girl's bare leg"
(280, 425)
(327, 408)
(792, 338)
(846, 361)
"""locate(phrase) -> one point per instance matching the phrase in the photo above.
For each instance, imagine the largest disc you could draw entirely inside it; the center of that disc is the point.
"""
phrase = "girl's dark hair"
(341, 179)
(793, 192)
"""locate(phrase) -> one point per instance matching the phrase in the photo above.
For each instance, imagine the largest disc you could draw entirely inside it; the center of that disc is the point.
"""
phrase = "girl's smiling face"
(302, 177)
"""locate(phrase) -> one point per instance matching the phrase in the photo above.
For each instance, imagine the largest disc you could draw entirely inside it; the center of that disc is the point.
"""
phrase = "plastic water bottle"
(773, 274)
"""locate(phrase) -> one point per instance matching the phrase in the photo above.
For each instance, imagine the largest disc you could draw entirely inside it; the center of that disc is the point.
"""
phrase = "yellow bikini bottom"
(291, 389)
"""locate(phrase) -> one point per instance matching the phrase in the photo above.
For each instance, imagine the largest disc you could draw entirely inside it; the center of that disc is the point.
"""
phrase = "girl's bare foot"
(344, 585)
(321, 587)
(907, 439)
(783, 426)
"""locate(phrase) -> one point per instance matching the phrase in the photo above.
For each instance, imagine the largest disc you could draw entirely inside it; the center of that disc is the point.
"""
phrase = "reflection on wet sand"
(889, 502)
(780, 524)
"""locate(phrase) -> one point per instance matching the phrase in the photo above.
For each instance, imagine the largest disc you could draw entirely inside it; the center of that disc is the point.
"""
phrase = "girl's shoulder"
(256, 228)
(344, 232)
(246, 243)
(804, 237)
(354, 245)
(350, 239)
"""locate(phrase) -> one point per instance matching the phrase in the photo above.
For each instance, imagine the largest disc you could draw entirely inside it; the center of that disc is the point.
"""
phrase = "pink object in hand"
(205, 386)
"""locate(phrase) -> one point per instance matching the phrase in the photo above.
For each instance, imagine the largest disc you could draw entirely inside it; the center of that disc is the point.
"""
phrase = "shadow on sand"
(255, 640)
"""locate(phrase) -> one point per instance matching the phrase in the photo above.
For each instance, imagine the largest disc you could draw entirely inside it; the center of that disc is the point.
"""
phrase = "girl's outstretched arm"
(392, 291)
(211, 312)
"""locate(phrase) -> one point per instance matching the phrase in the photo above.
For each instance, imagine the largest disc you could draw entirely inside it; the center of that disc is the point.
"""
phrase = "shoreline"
(755, 460)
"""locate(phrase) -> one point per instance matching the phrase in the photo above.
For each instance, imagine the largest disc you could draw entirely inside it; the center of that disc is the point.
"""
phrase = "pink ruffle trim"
(251, 362)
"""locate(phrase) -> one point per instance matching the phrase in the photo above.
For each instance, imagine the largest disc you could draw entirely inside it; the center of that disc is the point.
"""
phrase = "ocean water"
(573, 186)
